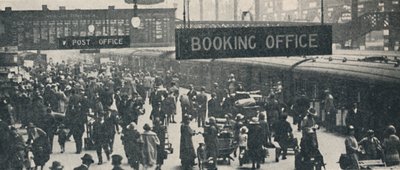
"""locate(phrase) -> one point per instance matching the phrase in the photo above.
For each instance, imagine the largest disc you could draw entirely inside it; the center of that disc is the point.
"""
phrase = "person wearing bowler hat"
(116, 162)
(56, 166)
(87, 160)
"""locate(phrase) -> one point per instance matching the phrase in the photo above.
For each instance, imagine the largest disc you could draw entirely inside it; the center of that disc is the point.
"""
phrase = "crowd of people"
(66, 101)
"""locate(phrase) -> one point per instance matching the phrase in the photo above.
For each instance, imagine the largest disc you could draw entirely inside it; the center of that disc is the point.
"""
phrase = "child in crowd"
(202, 156)
(62, 136)
(243, 139)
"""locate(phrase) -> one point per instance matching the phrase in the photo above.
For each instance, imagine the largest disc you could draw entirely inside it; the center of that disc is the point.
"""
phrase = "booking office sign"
(213, 43)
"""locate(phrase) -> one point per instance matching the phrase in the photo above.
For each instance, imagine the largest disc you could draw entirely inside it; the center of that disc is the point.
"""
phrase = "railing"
(364, 24)
(230, 24)
(342, 32)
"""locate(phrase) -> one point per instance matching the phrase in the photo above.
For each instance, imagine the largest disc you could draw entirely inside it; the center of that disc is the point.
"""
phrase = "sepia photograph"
(199, 84)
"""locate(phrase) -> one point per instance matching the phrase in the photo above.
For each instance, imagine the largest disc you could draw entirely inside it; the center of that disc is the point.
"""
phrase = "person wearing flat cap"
(56, 166)
(87, 160)
(116, 162)
(372, 146)
(352, 148)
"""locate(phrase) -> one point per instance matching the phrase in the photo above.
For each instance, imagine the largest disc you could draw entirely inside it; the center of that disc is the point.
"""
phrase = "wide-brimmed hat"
(239, 116)
(254, 120)
(146, 127)
(87, 157)
(370, 132)
(56, 166)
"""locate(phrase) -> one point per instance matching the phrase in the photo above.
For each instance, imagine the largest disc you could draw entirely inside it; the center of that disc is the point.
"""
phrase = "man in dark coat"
(211, 140)
(300, 108)
(185, 104)
(202, 105)
(191, 92)
(355, 118)
(214, 106)
(132, 145)
(100, 138)
(156, 97)
(106, 97)
(111, 126)
(255, 143)
(87, 159)
(187, 153)
(168, 108)
(49, 125)
(76, 119)
(283, 132)
(157, 113)
(40, 145)
(125, 110)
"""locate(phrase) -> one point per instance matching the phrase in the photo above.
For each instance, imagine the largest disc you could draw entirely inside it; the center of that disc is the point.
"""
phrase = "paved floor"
(331, 146)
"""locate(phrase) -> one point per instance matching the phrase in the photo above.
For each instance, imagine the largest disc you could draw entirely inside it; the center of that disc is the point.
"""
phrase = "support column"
(201, 10)
(216, 10)
(354, 15)
(235, 10)
(257, 10)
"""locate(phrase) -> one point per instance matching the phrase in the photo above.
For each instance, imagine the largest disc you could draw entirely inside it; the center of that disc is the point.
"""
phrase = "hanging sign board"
(214, 43)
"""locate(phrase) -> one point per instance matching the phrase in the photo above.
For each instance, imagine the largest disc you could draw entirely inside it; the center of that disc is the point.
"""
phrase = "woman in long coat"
(186, 153)
(132, 145)
(391, 146)
(255, 142)
(150, 143)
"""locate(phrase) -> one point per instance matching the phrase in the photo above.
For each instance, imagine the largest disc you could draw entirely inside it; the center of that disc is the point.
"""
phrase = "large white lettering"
(223, 43)
(291, 41)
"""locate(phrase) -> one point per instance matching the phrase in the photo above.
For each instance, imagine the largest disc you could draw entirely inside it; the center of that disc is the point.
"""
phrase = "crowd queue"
(68, 102)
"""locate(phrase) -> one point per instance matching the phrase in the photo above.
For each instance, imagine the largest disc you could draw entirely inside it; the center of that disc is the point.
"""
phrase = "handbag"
(344, 161)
